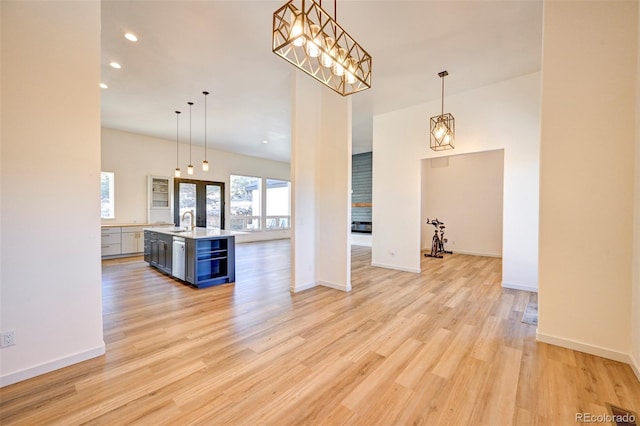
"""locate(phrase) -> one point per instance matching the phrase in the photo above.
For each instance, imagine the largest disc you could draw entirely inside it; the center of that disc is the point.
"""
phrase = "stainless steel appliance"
(178, 258)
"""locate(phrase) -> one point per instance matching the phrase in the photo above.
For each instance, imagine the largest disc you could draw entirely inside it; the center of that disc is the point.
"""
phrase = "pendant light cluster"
(205, 163)
(305, 35)
(443, 126)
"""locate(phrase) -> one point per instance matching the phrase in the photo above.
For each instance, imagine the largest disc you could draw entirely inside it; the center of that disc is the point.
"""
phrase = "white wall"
(635, 304)
(500, 116)
(465, 192)
(304, 144)
(50, 173)
(132, 157)
(587, 175)
(333, 180)
(321, 180)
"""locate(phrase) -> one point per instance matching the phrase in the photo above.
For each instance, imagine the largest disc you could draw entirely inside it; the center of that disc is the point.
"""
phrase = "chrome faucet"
(189, 212)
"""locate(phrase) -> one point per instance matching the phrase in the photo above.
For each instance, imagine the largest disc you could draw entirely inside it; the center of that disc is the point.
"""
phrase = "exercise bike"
(437, 243)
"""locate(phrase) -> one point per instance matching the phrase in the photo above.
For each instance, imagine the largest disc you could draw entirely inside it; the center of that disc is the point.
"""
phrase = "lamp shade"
(305, 35)
(443, 130)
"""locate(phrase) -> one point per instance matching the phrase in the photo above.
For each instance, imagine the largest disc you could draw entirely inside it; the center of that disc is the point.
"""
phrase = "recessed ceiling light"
(104, 86)
(265, 141)
(131, 37)
(115, 65)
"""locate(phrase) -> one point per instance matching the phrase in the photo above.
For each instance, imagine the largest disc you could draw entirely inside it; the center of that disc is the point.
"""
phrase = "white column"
(50, 171)
(635, 307)
(321, 186)
(586, 175)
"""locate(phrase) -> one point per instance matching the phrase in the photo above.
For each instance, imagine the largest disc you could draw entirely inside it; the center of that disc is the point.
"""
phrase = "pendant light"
(305, 35)
(177, 172)
(442, 127)
(190, 166)
(205, 163)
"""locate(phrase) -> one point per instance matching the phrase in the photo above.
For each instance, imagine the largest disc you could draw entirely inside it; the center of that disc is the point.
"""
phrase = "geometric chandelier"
(305, 35)
(442, 127)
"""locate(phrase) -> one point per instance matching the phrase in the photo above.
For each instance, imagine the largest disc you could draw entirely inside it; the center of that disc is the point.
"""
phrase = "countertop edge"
(130, 225)
(198, 234)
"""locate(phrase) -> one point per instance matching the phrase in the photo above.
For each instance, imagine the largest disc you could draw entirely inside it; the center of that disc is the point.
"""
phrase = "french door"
(204, 198)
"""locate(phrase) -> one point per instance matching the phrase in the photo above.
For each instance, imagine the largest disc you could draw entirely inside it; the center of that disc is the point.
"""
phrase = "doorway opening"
(465, 191)
(204, 198)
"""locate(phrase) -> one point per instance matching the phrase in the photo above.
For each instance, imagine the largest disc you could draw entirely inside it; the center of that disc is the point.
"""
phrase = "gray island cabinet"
(201, 257)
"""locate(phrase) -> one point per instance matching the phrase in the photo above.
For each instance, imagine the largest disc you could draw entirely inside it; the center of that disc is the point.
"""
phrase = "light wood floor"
(443, 347)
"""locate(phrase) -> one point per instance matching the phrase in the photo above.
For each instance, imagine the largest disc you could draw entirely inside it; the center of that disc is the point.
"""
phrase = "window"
(278, 204)
(245, 203)
(107, 197)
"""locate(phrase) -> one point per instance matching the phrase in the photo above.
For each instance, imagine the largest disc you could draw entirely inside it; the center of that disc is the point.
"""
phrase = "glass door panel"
(204, 198)
(214, 204)
(187, 201)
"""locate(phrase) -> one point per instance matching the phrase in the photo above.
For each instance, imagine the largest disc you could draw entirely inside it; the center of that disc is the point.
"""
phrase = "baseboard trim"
(397, 268)
(585, 347)
(50, 366)
(475, 253)
(469, 253)
(302, 287)
(532, 289)
(341, 287)
(635, 366)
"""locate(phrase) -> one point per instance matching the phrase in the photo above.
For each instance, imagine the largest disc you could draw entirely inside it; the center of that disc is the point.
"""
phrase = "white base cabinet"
(111, 241)
(125, 240)
(132, 239)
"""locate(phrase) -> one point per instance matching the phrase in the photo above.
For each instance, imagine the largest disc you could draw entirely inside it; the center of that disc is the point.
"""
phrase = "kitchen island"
(201, 257)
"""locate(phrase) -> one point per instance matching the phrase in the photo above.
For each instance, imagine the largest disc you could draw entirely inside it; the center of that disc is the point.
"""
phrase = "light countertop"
(126, 225)
(196, 233)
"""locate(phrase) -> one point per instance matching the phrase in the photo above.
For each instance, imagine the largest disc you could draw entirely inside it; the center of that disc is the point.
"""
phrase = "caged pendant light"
(442, 127)
(305, 35)
(205, 163)
(177, 172)
(190, 166)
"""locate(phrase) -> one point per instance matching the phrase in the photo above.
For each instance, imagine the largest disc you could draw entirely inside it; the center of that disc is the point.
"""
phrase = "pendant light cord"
(442, 110)
(205, 124)
(190, 105)
(177, 148)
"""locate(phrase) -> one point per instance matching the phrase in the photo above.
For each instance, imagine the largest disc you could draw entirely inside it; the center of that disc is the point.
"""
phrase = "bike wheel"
(434, 247)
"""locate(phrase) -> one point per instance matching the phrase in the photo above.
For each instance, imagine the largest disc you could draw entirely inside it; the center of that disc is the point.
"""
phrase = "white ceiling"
(224, 47)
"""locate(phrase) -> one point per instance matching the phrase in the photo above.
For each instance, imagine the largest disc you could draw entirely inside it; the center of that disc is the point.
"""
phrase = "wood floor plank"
(422, 405)
(500, 392)
(489, 339)
(445, 346)
(387, 372)
(319, 408)
(456, 351)
(465, 397)
(424, 361)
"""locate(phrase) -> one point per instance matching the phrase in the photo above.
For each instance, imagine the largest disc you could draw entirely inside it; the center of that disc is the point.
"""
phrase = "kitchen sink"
(176, 230)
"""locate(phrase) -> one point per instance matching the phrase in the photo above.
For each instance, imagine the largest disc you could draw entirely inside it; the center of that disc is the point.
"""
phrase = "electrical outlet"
(8, 338)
